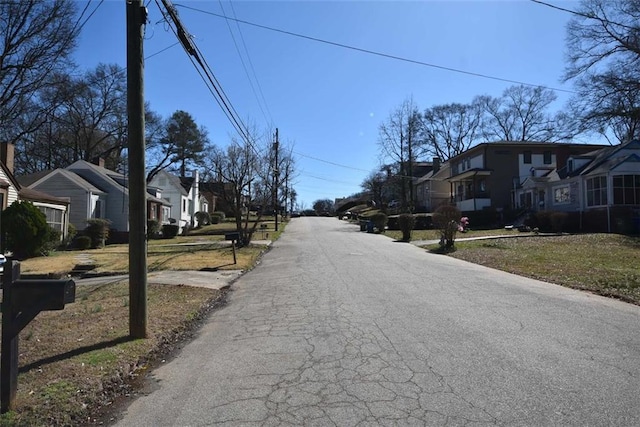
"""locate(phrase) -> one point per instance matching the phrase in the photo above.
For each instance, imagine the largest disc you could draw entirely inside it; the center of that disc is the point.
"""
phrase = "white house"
(183, 194)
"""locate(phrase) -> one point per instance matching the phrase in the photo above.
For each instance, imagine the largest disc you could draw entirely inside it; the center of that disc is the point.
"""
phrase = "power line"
(329, 162)
(372, 52)
(255, 76)
(244, 66)
(205, 72)
(583, 15)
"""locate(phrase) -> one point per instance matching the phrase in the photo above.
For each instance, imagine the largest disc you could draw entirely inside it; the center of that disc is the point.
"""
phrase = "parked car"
(3, 259)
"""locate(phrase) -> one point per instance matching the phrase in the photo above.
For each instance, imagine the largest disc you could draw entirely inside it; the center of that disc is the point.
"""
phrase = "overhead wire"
(244, 66)
(205, 72)
(584, 15)
(329, 162)
(264, 100)
(372, 52)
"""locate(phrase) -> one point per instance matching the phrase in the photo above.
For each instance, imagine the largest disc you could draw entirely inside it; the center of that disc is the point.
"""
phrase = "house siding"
(12, 192)
(60, 186)
(117, 199)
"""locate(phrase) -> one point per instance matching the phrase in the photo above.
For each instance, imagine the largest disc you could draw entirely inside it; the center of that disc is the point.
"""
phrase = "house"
(432, 190)
(491, 175)
(93, 192)
(601, 187)
(183, 194)
(55, 209)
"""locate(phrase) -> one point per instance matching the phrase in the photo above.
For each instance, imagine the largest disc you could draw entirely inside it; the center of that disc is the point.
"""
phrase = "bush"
(169, 231)
(202, 218)
(558, 220)
(71, 234)
(217, 217)
(446, 219)
(98, 230)
(82, 242)
(26, 231)
(153, 229)
(379, 220)
(406, 222)
(53, 243)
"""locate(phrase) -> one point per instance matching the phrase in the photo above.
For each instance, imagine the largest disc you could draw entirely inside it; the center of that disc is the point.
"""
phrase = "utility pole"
(275, 179)
(136, 19)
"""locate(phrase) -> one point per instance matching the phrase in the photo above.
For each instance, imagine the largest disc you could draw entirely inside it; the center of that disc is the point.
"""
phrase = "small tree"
(26, 231)
(406, 222)
(447, 218)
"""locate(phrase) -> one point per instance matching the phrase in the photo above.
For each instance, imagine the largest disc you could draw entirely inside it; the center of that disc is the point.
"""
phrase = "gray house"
(94, 192)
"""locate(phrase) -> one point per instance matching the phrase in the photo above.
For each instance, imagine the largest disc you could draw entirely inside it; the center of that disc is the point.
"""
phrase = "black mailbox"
(53, 294)
(232, 236)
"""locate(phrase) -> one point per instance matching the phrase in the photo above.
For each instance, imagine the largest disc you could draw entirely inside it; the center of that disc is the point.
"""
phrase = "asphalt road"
(339, 327)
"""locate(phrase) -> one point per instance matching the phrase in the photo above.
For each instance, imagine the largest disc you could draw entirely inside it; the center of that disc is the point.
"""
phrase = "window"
(526, 157)
(54, 217)
(597, 191)
(561, 195)
(547, 157)
(97, 209)
(184, 205)
(626, 190)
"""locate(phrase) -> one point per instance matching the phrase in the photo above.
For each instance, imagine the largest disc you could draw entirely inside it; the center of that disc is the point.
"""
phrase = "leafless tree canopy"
(520, 114)
(603, 44)
(36, 40)
(450, 129)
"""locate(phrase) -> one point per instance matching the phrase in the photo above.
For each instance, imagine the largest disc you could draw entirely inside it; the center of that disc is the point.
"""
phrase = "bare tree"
(244, 174)
(603, 42)
(452, 128)
(400, 141)
(602, 32)
(520, 114)
(375, 184)
(36, 40)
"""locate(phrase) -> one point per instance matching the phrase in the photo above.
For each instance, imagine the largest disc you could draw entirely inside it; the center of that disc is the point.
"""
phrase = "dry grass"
(187, 255)
(606, 264)
(74, 361)
(433, 234)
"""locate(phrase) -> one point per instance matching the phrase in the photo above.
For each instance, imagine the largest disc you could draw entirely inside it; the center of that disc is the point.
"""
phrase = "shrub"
(217, 217)
(558, 220)
(153, 229)
(169, 231)
(202, 218)
(26, 231)
(379, 220)
(406, 222)
(446, 218)
(82, 242)
(98, 230)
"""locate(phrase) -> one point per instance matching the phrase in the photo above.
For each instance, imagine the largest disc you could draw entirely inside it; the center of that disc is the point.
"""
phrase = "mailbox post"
(234, 237)
(22, 300)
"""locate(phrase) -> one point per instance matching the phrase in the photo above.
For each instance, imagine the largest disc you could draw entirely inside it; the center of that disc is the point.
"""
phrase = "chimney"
(7, 153)
(98, 161)
(436, 164)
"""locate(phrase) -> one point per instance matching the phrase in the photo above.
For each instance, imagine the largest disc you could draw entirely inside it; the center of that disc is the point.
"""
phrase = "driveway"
(339, 327)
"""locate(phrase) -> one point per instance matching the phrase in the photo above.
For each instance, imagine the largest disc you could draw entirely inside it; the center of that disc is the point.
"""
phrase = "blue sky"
(328, 101)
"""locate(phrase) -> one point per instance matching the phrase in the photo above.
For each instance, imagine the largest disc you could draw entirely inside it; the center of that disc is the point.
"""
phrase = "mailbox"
(232, 236)
(22, 300)
(52, 294)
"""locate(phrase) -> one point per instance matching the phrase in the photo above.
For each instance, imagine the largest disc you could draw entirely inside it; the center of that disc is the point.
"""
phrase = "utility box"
(51, 294)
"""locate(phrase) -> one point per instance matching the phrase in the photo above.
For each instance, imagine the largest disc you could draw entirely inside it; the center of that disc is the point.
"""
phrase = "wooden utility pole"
(275, 179)
(136, 19)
